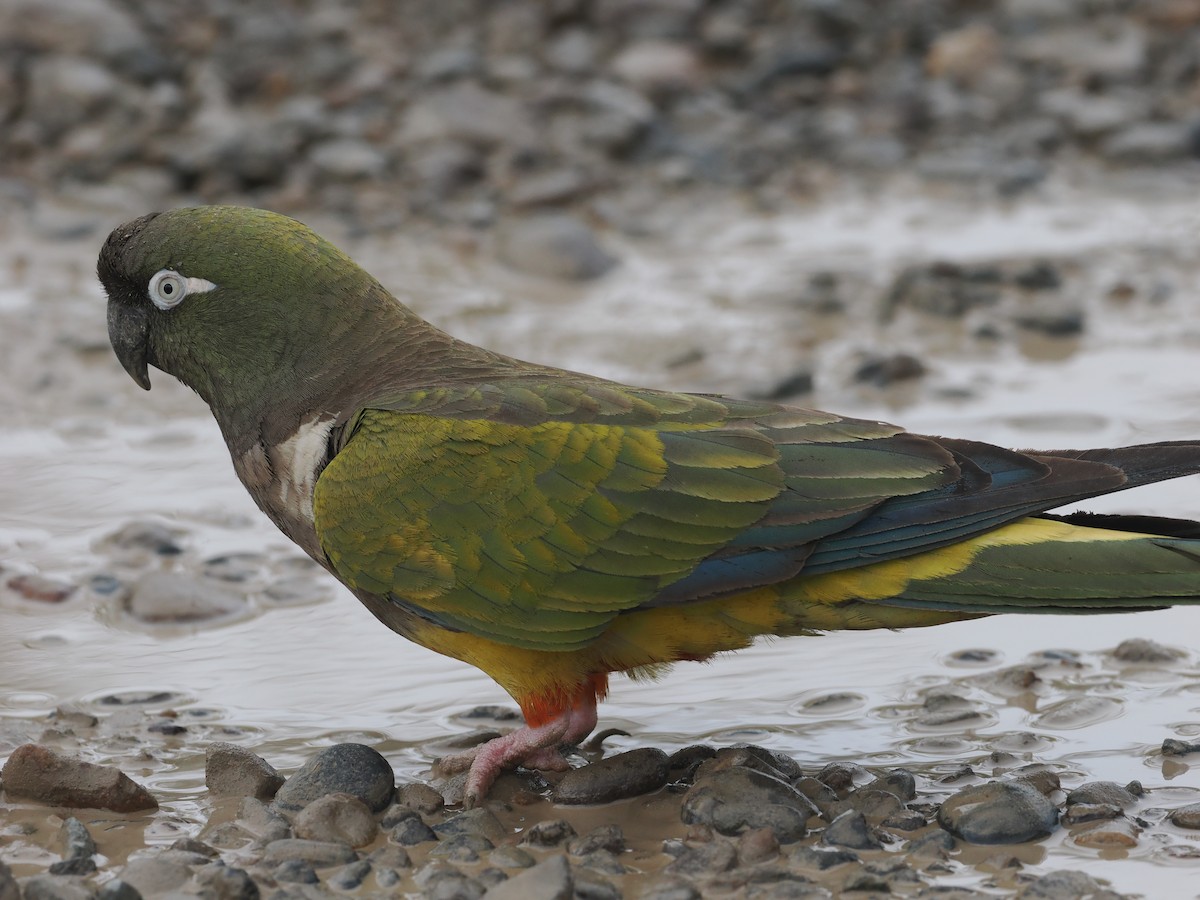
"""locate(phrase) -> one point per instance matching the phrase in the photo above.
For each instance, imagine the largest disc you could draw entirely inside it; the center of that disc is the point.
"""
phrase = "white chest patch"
(295, 462)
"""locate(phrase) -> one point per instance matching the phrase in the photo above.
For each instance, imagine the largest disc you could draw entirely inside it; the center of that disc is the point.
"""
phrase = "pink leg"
(531, 747)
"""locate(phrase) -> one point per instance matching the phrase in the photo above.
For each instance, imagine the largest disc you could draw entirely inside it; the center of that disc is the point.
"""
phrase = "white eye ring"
(167, 288)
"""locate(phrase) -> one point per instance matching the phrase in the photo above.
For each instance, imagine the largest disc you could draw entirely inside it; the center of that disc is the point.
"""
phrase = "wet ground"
(722, 303)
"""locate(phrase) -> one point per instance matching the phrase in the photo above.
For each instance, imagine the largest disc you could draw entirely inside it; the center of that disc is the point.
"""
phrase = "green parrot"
(551, 527)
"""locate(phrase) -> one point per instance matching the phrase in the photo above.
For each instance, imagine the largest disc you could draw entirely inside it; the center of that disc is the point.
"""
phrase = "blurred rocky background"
(472, 112)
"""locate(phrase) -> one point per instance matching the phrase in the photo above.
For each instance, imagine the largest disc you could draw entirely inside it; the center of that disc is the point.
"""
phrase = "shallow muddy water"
(83, 453)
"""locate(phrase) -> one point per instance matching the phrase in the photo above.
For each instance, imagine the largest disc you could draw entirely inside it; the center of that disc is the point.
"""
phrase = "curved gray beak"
(129, 334)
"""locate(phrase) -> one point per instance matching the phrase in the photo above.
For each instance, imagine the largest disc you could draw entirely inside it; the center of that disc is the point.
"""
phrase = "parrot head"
(220, 296)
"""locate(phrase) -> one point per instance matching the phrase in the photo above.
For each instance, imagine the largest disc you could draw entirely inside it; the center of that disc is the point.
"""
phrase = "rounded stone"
(337, 817)
(628, 774)
(998, 813)
(353, 769)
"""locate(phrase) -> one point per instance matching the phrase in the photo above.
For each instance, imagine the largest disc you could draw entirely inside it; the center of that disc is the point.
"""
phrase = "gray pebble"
(1186, 816)
(480, 821)
(554, 245)
(548, 880)
(549, 833)
(9, 889)
(140, 538)
(262, 821)
(1079, 813)
(233, 771)
(850, 829)
(820, 859)
(420, 797)
(226, 883)
(602, 861)
(338, 817)
(411, 831)
(1141, 650)
(603, 837)
(1066, 886)
(391, 857)
(842, 776)
(738, 798)
(682, 764)
(173, 598)
(151, 875)
(320, 853)
(57, 887)
(510, 857)
(700, 859)
(350, 877)
(670, 889)
(998, 813)
(111, 890)
(343, 768)
(462, 848)
(1174, 747)
(1104, 792)
(299, 871)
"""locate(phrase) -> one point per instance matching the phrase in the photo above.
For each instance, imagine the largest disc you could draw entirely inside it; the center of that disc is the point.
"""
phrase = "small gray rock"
(700, 859)
(554, 245)
(296, 871)
(1103, 792)
(411, 831)
(233, 771)
(350, 877)
(548, 880)
(348, 159)
(670, 889)
(226, 882)
(112, 890)
(603, 837)
(1186, 816)
(9, 889)
(260, 820)
(462, 848)
(629, 774)
(337, 817)
(57, 887)
(998, 813)
(550, 833)
(353, 769)
(173, 598)
(1066, 886)
(1140, 650)
(510, 857)
(480, 821)
(735, 799)
(155, 875)
(420, 797)
(320, 853)
(850, 829)
(1175, 747)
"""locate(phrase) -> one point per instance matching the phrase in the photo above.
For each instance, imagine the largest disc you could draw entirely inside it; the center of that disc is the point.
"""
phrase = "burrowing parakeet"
(552, 527)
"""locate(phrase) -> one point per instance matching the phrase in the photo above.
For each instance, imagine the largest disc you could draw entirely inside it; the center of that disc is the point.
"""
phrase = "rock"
(998, 813)
(819, 860)
(40, 589)
(1186, 816)
(296, 871)
(348, 159)
(682, 764)
(548, 880)
(549, 833)
(350, 877)
(411, 830)
(884, 371)
(420, 797)
(170, 598)
(57, 887)
(113, 890)
(756, 845)
(1140, 650)
(1174, 747)
(341, 818)
(602, 837)
(262, 821)
(658, 66)
(1066, 886)
(481, 821)
(628, 774)
(944, 289)
(233, 771)
(320, 854)
(935, 844)
(78, 850)
(670, 889)
(589, 885)
(1080, 813)
(39, 773)
(9, 889)
(1150, 142)
(1111, 832)
(510, 857)
(466, 112)
(899, 782)
(1106, 793)
(964, 53)
(155, 875)
(465, 848)
(850, 829)
(139, 539)
(353, 769)
(226, 883)
(693, 859)
(738, 798)
(553, 245)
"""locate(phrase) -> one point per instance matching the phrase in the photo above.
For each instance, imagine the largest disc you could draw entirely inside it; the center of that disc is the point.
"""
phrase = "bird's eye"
(167, 288)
